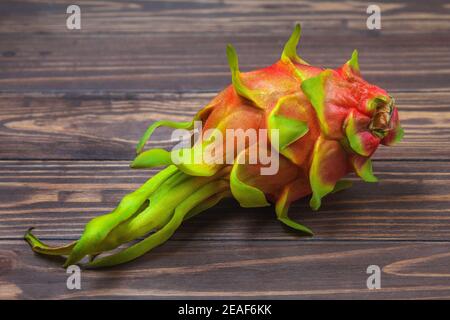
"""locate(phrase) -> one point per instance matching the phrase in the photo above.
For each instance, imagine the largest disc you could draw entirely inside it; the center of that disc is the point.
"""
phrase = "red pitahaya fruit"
(329, 123)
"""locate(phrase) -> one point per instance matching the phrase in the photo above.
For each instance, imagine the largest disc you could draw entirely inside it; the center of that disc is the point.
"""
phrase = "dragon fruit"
(328, 123)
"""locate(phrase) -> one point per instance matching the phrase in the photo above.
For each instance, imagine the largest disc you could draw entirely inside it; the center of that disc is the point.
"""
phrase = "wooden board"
(241, 269)
(74, 103)
(180, 45)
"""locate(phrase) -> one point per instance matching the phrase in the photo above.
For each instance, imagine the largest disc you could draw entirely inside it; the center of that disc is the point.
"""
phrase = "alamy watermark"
(212, 146)
(74, 280)
(374, 280)
(73, 22)
(373, 22)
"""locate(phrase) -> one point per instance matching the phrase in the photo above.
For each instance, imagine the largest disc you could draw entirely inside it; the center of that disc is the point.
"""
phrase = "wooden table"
(74, 102)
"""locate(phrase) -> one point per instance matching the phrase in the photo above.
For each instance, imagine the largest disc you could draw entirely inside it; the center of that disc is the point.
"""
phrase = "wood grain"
(240, 269)
(180, 45)
(108, 126)
(411, 202)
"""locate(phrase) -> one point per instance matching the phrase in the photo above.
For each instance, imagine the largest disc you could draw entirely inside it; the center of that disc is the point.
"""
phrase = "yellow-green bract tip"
(233, 61)
(241, 89)
(290, 48)
(353, 62)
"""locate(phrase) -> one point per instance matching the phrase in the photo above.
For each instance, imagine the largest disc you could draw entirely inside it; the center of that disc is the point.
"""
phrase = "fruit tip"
(28, 234)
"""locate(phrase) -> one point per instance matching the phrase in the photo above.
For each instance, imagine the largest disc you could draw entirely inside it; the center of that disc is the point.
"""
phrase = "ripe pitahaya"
(330, 122)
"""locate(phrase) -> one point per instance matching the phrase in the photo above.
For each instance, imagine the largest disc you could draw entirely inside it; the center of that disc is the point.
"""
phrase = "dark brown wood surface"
(74, 103)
